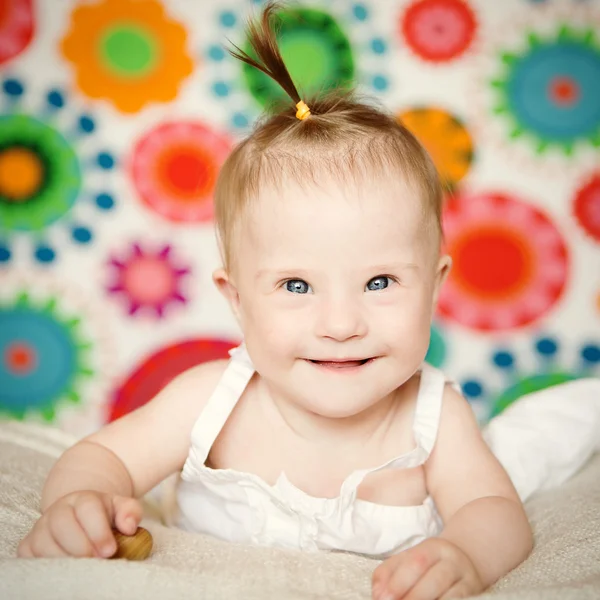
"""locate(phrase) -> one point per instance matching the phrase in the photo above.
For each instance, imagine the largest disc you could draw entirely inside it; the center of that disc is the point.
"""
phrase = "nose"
(341, 320)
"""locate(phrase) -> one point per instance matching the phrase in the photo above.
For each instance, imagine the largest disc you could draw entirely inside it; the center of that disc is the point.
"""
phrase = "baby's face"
(334, 287)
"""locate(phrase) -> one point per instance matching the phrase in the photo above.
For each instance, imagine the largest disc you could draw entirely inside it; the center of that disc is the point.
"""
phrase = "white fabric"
(565, 564)
(241, 507)
(547, 436)
(541, 440)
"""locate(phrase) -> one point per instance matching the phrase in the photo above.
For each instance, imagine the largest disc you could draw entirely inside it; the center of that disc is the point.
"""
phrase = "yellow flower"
(128, 52)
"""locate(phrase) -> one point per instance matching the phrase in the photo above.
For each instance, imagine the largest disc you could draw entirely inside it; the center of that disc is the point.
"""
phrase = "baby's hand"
(435, 569)
(80, 524)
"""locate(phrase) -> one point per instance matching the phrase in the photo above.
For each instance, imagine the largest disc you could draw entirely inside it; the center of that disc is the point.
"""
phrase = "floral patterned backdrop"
(115, 116)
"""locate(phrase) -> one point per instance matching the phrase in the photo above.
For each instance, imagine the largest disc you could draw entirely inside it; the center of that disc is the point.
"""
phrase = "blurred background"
(115, 116)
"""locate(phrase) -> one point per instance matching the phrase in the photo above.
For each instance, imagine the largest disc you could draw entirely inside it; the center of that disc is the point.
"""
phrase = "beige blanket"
(565, 564)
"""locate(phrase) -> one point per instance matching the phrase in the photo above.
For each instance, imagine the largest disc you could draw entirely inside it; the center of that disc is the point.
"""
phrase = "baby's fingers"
(435, 583)
(94, 515)
(399, 573)
(458, 590)
(40, 544)
(127, 514)
(69, 534)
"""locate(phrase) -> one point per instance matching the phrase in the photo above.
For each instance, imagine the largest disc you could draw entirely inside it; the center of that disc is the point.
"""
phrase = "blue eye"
(378, 283)
(297, 286)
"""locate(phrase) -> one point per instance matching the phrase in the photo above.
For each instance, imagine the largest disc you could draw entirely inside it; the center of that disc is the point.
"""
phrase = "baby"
(325, 430)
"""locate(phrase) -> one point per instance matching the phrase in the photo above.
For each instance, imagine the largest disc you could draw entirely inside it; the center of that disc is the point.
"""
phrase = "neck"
(359, 429)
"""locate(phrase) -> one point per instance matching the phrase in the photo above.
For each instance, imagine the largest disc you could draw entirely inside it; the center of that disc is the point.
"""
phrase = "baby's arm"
(477, 501)
(486, 532)
(93, 486)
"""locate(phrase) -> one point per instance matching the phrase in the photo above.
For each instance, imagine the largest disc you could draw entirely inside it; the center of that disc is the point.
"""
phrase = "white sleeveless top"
(242, 507)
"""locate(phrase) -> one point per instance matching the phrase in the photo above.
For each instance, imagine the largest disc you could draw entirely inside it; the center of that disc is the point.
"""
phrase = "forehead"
(322, 216)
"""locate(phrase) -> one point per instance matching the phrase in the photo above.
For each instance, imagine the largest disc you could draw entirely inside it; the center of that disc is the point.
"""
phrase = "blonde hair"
(342, 136)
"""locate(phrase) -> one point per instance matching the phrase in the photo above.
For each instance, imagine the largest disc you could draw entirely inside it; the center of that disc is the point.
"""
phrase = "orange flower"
(127, 51)
(445, 138)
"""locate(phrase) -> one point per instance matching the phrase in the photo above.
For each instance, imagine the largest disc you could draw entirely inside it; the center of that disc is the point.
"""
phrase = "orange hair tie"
(303, 111)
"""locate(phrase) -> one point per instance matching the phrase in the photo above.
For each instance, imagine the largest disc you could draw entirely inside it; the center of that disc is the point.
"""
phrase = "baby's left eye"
(378, 283)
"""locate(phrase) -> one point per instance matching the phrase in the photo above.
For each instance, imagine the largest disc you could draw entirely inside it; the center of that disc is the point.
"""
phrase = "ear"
(443, 269)
(227, 287)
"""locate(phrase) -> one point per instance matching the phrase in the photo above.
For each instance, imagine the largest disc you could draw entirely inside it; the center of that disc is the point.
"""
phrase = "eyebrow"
(303, 273)
(401, 266)
(279, 273)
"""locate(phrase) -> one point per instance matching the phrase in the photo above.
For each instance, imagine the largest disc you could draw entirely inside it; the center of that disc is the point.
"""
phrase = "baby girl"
(326, 430)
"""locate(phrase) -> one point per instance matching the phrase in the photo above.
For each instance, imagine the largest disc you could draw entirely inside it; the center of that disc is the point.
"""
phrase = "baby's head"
(329, 229)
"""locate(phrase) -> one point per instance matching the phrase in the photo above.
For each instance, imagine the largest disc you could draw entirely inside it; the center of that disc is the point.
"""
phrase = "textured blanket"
(565, 564)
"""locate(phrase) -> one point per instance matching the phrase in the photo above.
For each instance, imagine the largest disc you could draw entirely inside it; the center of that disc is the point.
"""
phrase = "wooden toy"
(133, 547)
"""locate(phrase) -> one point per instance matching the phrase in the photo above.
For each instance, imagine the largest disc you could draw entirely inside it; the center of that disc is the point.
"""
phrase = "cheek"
(269, 330)
(408, 316)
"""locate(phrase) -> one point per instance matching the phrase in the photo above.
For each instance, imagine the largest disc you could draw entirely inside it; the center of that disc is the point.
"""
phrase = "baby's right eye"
(297, 286)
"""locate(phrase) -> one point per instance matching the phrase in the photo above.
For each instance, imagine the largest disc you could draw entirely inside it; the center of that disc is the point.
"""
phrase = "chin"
(330, 409)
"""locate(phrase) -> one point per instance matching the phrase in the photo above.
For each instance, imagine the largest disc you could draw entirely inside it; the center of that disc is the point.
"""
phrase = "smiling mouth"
(341, 364)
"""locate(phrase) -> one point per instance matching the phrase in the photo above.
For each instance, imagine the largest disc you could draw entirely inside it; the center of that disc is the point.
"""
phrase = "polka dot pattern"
(108, 174)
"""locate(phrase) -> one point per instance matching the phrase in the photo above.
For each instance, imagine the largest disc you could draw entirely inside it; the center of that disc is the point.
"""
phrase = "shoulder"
(439, 401)
(166, 420)
(196, 381)
(178, 403)
(458, 429)
(188, 392)
(456, 410)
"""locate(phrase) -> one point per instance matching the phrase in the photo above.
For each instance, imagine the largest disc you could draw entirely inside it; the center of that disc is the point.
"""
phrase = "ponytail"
(263, 40)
